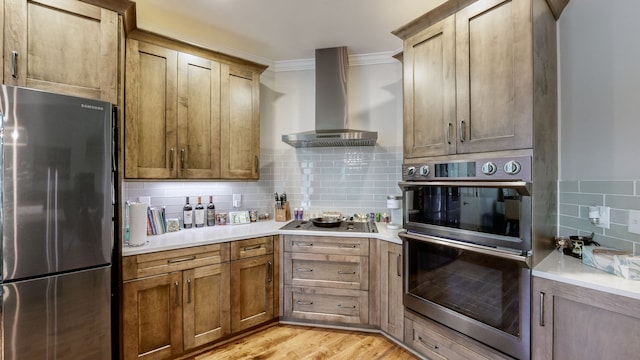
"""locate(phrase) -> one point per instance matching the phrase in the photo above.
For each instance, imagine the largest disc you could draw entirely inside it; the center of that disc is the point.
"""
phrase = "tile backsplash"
(346, 179)
(620, 196)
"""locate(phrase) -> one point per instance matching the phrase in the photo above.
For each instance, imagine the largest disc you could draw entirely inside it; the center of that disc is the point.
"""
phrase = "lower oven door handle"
(525, 261)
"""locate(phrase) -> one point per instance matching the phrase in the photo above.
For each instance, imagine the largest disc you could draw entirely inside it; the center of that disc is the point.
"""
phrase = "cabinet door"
(63, 46)
(240, 128)
(198, 117)
(392, 310)
(150, 126)
(252, 287)
(152, 317)
(494, 73)
(429, 91)
(572, 322)
(206, 304)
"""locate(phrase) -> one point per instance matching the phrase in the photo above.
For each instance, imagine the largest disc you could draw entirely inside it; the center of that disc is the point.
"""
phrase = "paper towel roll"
(138, 224)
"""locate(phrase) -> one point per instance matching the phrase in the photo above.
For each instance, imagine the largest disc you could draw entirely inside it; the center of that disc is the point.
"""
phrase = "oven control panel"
(516, 168)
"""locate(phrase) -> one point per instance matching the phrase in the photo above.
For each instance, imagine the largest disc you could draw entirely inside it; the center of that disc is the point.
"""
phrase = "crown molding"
(354, 60)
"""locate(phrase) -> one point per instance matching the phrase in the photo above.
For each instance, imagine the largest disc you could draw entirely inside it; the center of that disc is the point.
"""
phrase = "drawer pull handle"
(434, 347)
(541, 319)
(347, 246)
(304, 270)
(14, 64)
(269, 271)
(346, 306)
(304, 244)
(299, 302)
(189, 290)
(172, 261)
(249, 248)
(346, 272)
(177, 285)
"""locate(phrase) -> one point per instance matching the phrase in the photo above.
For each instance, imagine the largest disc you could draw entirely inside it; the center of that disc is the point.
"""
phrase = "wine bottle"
(199, 213)
(187, 215)
(211, 212)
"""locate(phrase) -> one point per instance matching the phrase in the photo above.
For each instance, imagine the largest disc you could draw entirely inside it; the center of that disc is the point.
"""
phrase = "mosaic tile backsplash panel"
(620, 196)
(346, 179)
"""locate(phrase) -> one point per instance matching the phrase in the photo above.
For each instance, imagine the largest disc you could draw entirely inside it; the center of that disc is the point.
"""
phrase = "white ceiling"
(282, 30)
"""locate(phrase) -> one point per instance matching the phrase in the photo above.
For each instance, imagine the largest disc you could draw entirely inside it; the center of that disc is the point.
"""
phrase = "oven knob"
(424, 170)
(489, 168)
(512, 167)
(411, 170)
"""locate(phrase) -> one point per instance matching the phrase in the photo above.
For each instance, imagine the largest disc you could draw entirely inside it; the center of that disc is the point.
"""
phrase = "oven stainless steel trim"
(518, 347)
(522, 187)
(507, 254)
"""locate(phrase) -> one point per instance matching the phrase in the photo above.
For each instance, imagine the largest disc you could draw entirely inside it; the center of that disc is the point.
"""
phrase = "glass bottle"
(199, 213)
(187, 215)
(211, 212)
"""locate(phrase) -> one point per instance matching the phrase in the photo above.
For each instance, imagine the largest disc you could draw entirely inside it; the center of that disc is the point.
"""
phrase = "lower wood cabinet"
(391, 291)
(177, 300)
(438, 342)
(574, 322)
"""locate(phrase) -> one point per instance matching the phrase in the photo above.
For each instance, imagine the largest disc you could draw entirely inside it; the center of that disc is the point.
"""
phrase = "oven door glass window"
(486, 210)
(480, 286)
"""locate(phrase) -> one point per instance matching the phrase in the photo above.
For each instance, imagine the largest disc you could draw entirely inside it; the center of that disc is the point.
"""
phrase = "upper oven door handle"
(522, 187)
(524, 261)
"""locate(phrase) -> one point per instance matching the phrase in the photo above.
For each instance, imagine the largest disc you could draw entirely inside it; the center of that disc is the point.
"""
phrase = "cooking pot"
(326, 222)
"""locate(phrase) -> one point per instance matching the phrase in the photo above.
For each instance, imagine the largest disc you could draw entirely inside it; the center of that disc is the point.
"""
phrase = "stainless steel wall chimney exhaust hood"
(331, 106)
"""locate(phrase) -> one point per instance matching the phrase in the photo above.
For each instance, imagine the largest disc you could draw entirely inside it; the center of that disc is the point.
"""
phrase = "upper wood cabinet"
(478, 77)
(63, 46)
(189, 114)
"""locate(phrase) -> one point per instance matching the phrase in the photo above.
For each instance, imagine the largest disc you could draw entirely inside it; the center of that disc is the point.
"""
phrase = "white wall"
(599, 52)
(599, 61)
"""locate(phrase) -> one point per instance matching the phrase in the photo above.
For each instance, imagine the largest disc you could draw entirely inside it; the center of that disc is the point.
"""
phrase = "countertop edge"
(220, 234)
(569, 270)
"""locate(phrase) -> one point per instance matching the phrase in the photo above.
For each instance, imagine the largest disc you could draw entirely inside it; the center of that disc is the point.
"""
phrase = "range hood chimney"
(331, 106)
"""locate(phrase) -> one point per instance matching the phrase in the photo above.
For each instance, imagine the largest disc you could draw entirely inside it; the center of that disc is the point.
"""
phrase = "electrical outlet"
(605, 216)
(237, 200)
(634, 221)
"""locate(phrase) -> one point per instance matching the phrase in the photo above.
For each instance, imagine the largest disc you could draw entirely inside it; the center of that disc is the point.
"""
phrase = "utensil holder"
(283, 213)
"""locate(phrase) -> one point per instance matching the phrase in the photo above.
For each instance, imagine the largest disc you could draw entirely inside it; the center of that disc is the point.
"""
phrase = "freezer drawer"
(58, 317)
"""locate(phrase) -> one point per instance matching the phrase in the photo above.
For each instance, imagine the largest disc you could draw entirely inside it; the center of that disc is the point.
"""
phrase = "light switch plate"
(634, 221)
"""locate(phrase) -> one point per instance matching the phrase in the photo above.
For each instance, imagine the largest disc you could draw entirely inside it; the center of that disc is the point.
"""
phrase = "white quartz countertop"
(567, 269)
(217, 234)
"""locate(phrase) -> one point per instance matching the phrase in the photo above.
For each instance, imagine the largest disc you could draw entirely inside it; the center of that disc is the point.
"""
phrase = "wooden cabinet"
(190, 113)
(573, 322)
(63, 46)
(175, 300)
(441, 343)
(252, 282)
(478, 77)
(326, 279)
(391, 290)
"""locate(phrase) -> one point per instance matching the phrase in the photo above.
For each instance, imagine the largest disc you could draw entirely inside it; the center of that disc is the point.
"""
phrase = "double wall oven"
(467, 248)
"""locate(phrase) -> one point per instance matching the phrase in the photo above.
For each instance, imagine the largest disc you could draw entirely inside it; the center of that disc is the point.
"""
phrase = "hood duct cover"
(331, 106)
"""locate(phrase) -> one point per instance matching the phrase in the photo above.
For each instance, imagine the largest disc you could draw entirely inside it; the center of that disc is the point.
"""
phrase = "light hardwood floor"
(302, 342)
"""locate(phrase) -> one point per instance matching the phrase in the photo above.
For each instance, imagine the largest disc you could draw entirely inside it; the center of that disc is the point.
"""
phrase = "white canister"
(138, 224)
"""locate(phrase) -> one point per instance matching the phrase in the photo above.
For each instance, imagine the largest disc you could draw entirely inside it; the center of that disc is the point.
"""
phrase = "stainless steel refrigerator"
(56, 223)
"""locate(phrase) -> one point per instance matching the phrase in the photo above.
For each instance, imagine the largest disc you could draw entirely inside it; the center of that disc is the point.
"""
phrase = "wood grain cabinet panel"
(391, 290)
(478, 76)
(152, 321)
(252, 291)
(191, 113)
(573, 322)
(63, 46)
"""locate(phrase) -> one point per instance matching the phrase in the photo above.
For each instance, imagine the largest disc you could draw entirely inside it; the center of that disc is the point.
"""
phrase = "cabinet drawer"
(242, 249)
(325, 304)
(335, 271)
(138, 266)
(437, 342)
(327, 245)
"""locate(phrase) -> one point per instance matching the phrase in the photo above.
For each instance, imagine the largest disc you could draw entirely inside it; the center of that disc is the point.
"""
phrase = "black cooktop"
(345, 226)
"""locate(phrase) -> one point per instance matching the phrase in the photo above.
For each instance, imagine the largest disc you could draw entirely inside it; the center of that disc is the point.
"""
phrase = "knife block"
(283, 213)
